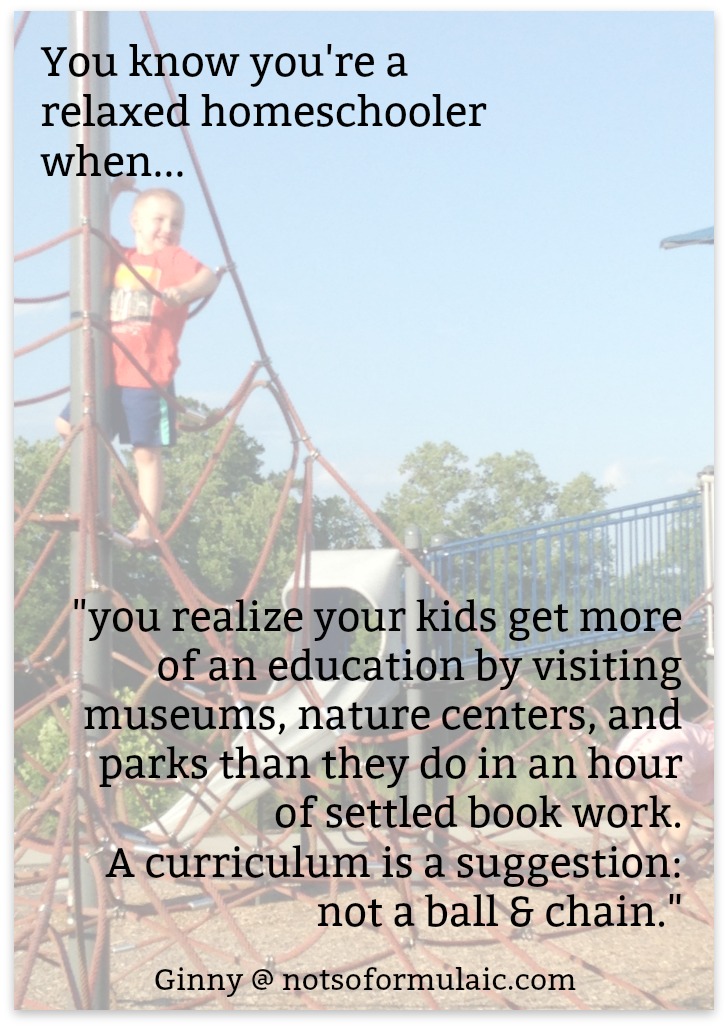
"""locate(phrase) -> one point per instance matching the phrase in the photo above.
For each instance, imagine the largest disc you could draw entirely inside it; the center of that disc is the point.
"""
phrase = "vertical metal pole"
(412, 594)
(706, 480)
(90, 487)
(438, 692)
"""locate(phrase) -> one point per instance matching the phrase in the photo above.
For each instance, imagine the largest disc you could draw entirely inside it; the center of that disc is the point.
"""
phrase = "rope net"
(263, 910)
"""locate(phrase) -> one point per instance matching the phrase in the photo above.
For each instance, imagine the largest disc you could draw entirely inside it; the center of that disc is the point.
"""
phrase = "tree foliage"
(237, 513)
(444, 495)
(48, 588)
(338, 524)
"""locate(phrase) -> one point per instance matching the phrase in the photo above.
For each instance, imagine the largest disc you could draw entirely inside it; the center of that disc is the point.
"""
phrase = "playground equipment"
(701, 237)
(366, 579)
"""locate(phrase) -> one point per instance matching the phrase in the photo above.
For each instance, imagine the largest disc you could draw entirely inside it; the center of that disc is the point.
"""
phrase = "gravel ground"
(612, 967)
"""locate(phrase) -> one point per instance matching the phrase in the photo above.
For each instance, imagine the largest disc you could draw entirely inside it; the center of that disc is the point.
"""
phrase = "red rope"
(20, 26)
(48, 245)
(42, 398)
(41, 299)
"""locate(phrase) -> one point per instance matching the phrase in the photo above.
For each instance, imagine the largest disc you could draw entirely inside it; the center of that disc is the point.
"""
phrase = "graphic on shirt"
(130, 301)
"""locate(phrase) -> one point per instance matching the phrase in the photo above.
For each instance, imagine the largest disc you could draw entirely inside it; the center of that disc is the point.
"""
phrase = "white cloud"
(615, 475)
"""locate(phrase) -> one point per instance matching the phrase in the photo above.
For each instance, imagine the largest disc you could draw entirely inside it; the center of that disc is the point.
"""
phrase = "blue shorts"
(144, 418)
(140, 417)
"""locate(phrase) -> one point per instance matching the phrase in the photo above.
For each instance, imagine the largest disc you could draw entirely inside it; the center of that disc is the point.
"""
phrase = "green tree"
(581, 496)
(437, 484)
(509, 491)
(443, 495)
(338, 524)
(229, 521)
(497, 496)
(41, 565)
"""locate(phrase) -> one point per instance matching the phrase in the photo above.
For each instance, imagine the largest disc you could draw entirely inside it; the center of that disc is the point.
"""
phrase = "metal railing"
(645, 555)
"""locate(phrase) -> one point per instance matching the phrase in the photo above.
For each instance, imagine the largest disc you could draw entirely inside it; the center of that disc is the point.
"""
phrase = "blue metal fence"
(639, 556)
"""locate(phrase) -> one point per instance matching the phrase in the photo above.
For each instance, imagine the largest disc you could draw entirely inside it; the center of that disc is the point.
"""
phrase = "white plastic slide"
(357, 579)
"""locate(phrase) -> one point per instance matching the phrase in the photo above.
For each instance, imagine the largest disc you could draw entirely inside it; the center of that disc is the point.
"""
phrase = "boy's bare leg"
(150, 482)
(641, 840)
(675, 838)
(650, 840)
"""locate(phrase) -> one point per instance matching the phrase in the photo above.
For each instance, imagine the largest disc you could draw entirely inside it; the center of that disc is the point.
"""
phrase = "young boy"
(149, 329)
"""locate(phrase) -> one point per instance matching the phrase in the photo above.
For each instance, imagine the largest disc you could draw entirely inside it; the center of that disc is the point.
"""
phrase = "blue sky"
(499, 287)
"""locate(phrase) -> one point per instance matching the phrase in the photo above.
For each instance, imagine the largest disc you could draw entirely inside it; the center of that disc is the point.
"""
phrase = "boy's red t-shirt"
(147, 327)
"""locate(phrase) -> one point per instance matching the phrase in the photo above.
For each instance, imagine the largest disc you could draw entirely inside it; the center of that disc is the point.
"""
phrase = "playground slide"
(349, 578)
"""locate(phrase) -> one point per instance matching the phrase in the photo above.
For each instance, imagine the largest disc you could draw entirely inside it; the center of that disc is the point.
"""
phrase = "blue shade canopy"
(703, 235)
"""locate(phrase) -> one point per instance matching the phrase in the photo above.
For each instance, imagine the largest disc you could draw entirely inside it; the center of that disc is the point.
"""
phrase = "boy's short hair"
(157, 193)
